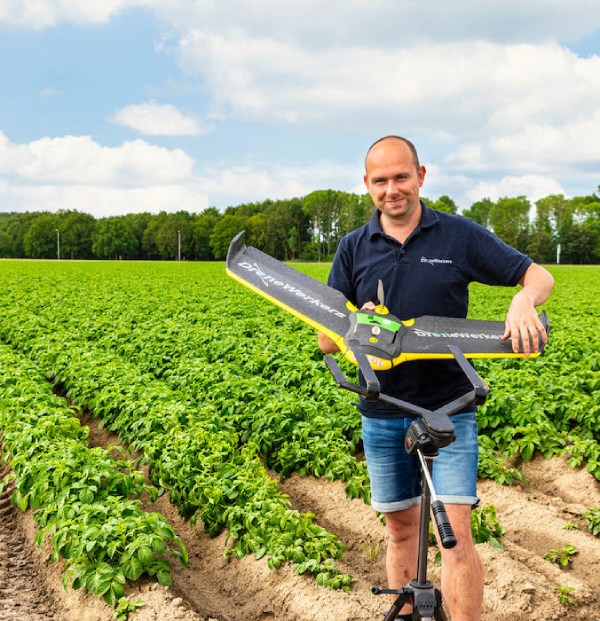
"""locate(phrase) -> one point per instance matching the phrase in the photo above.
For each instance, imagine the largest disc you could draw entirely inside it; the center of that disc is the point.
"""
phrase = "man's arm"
(522, 320)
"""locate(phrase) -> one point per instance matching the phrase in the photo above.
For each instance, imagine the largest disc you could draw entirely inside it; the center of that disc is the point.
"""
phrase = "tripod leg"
(392, 613)
(439, 614)
(425, 518)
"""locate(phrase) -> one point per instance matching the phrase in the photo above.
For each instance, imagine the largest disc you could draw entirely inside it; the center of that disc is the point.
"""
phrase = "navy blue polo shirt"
(427, 275)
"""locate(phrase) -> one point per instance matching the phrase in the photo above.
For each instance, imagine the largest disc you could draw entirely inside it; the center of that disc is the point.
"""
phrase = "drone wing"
(430, 337)
(315, 303)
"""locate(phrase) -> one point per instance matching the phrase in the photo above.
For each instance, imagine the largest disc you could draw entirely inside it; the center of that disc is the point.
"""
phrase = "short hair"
(406, 141)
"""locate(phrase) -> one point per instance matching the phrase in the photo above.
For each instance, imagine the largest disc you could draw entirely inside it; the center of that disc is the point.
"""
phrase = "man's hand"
(522, 322)
(523, 325)
(329, 346)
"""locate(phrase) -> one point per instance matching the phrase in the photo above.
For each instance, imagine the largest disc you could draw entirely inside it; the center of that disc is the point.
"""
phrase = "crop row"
(85, 502)
(192, 452)
(219, 352)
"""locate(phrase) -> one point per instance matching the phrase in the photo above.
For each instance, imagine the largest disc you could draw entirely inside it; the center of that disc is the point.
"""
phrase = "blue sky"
(124, 106)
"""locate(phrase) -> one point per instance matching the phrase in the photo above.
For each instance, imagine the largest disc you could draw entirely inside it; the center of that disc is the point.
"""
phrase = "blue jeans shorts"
(395, 475)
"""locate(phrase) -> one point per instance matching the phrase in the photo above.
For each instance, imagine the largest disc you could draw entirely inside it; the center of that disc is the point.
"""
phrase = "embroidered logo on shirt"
(436, 261)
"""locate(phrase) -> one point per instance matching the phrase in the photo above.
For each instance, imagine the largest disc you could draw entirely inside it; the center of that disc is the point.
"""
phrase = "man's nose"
(392, 187)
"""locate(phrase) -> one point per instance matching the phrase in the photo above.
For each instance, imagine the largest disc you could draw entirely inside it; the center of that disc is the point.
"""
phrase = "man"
(426, 260)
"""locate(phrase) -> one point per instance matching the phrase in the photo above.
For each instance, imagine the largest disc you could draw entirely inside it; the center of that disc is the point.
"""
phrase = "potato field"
(174, 448)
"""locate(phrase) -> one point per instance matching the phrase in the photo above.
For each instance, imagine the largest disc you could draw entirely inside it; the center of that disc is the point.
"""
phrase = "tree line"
(307, 228)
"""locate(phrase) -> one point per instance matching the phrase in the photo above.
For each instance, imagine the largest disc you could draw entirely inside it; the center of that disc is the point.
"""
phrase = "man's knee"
(460, 519)
(402, 526)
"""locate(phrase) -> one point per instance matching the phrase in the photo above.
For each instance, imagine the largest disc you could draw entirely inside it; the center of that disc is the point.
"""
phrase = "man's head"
(407, 142)
(393, 176)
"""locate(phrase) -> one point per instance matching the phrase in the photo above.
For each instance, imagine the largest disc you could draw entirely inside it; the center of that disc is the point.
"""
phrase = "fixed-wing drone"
(385, 340)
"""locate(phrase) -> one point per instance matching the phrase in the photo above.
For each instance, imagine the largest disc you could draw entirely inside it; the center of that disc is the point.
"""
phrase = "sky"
(123, 106)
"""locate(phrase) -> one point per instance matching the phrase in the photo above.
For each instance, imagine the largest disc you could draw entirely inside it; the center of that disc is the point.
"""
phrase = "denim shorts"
(395, 475)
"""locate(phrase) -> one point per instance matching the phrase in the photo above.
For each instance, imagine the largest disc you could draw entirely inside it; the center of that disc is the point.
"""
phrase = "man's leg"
(455, 482)
(462, 572)
(402, 548)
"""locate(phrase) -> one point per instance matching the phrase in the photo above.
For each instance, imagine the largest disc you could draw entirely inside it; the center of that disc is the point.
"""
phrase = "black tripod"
(424, 438)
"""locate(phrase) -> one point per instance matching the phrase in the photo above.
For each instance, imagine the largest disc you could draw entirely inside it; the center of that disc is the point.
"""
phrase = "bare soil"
(520, 584)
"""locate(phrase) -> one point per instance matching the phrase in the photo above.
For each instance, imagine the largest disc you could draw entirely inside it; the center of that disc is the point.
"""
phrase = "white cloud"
(75, 172)
(49, 92)
(261, 180)
(498, 102)
(386, 23)
(456, 89)
(40, 14)
(81, 160)
(533, 187)
(337, 22)
(538, 160)
(155, 119)
(543, 147)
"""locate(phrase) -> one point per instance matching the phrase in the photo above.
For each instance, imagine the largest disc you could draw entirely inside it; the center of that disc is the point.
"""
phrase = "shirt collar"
(428, 219)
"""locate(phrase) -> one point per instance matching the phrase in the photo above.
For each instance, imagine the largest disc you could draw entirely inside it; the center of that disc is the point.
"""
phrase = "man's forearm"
(537, 283)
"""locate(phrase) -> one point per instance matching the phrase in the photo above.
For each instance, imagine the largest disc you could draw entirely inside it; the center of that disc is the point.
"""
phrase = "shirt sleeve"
(492, 261)
(340, 276)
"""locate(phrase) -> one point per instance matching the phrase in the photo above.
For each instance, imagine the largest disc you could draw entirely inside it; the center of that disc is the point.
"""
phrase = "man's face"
(393, 180)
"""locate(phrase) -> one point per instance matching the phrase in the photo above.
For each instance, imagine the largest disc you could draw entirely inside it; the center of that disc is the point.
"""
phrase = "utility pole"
(57, 244)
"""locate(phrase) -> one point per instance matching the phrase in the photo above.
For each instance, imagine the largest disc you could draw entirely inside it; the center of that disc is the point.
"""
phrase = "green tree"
(138, 222)
(165, 232)
(322, 208)
(150, 243)
(76, 232)
(165, 237)
(542, 243)
(562, 219)
(354, 211)
(113, 239)
(256, 231)
(41, 239)
(6, 240)
(202, 228)
(16, 226)
(225, 230)
(444, 203)
(285, 228)
(586, 210)
(509, 218)
(331, 214)
(479, 212)
(6, 245)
